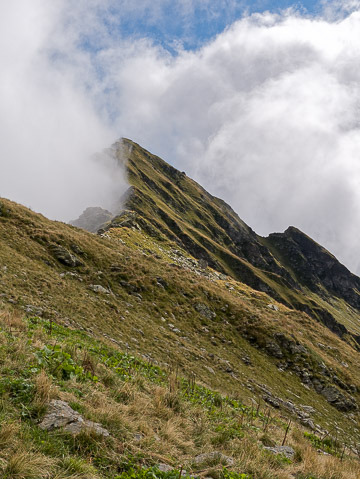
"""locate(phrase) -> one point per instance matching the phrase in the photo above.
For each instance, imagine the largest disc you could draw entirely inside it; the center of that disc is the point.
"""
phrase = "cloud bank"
(266, 115)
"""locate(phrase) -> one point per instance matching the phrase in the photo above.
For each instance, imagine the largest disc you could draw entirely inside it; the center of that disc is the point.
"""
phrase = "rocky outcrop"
(338, 399)
(92, 219)
(313, 374)
(97, 288)
(286, 451)
(314, 267)
(64, 256)
(61, 416)
(205, 311)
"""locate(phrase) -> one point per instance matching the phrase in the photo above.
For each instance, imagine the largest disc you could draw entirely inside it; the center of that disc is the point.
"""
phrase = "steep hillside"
(290, 267)
(140, 295)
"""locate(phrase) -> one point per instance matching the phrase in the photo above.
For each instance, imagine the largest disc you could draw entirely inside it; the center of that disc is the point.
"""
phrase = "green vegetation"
(152, 415)
(327, 445)
(150, 473)
(61, 364)
(154, 473)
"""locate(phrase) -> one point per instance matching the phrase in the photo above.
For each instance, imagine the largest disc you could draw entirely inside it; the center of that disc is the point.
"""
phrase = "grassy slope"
(153, 417)
(138, 312)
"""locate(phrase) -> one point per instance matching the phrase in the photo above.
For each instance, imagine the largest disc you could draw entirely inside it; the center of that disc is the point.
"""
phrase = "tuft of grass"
(76, 468)
(27, 465)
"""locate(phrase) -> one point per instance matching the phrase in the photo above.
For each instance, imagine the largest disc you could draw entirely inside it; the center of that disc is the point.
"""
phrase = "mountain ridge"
(167, 203)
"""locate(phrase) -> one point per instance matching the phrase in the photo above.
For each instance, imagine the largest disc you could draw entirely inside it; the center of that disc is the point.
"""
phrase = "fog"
(50, 128)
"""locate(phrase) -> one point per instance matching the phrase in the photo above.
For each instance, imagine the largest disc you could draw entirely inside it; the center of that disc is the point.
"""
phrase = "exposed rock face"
(92, 219)
(315, 267)
(314, 374)
(164, 467)
(97, 288)
(205, 311)
(273, 349)
(64, 256)
(338, 399)
(61, 415)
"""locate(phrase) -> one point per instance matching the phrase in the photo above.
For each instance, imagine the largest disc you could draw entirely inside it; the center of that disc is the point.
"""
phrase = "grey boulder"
(61, 415)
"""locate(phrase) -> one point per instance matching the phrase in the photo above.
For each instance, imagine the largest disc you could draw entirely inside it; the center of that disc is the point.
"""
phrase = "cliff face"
(315, 267)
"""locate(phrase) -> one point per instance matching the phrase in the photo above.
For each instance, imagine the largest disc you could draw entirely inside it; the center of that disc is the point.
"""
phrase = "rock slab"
(61, 415)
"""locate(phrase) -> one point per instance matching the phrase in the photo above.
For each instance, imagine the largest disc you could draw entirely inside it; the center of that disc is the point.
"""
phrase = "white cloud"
(49, 127)
(266, 115)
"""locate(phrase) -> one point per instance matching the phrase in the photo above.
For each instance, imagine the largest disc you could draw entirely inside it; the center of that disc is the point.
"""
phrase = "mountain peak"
(92, 219)
(167, 205)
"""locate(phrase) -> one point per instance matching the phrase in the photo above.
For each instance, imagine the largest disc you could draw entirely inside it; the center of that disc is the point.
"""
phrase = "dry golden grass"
(45, 390)
(28, 465)
(9, 432)
(12, 322)
(324, 466)
(17, 354)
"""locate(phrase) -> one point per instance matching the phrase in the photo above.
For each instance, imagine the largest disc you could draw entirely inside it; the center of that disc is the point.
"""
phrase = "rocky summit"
(170, 340)
(92, 219)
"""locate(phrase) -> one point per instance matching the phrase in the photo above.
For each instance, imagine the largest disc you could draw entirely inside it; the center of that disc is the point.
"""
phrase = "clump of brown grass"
(17, 354)
(27, 465)
(326, 466)
(177, 435)
(45, 390)
(251, 459)
(159, 403)
(111, 415)
(8, 435)
(126, 393)
(12, 322)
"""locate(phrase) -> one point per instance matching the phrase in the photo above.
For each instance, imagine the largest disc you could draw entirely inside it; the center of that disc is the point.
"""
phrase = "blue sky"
(201, 22)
